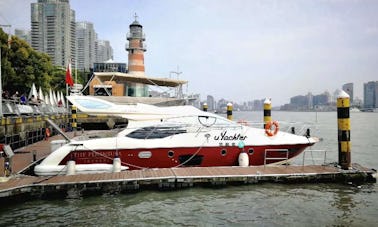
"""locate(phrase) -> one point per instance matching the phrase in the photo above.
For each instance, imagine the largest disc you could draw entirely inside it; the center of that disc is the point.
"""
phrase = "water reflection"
(343, 201)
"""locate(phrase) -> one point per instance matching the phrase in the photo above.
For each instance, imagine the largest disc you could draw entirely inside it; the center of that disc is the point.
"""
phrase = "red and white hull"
(165, 137)
(183, 157)
(179, 150)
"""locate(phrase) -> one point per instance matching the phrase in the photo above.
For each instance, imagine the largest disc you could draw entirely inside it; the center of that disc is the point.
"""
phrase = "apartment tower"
(371, 95)
(348, 88)
(86, 42)
(53, 30)
(104, 52)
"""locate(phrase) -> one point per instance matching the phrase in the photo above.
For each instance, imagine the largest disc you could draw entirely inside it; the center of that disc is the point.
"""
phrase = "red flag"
(69, 80)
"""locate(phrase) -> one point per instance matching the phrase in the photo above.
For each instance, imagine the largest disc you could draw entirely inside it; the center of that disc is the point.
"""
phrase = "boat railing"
(299, 128)
(311, 151)
(252, 124)
(267, 151)
(312, 156)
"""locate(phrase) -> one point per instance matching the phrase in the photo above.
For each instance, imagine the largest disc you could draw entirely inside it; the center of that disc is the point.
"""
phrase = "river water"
(246, 205)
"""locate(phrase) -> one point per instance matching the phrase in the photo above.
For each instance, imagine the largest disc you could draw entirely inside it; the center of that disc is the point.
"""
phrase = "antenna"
(177, 72)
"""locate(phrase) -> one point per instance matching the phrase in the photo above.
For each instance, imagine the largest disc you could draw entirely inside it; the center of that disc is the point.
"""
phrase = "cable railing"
(312, 156)
(298, 128)
(24, 138)
(267, 151)
(285, 158)
(16, 108)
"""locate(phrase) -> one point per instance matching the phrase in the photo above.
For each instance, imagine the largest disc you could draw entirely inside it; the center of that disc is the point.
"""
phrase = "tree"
(22, 66)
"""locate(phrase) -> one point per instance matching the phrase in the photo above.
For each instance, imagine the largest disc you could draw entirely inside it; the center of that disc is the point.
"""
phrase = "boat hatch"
(190, 160)
(155, 132)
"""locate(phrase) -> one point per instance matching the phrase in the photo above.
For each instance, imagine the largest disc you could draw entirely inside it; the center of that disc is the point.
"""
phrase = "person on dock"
(16, 96)
(7, 168)
(5, 95)
(23, 99)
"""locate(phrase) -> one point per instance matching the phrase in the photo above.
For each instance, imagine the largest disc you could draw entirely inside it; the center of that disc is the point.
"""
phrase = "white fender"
(116, 165)
(71, 166)
(243, 159)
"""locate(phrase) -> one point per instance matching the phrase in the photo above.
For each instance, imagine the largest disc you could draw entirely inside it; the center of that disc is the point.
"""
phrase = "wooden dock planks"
(182, 177)
(23, 157)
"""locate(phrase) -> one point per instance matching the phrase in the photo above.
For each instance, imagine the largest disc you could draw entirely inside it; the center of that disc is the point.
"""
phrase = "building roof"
(135, 23)
(126, 77)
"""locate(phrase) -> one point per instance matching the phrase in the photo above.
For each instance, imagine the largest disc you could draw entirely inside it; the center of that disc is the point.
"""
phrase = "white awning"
(126, 77)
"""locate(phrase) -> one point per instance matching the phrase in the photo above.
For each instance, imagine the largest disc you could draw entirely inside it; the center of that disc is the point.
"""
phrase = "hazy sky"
(240, 50)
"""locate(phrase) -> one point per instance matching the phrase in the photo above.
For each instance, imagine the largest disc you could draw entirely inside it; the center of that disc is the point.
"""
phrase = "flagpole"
(69, 81)
(66, 96)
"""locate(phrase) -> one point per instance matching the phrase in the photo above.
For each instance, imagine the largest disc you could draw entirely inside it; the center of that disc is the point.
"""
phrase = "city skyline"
(249, 50)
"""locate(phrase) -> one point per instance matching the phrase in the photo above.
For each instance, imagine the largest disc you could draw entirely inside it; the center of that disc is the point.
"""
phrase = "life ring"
(47, 133)
(242, 122)
(268, 128)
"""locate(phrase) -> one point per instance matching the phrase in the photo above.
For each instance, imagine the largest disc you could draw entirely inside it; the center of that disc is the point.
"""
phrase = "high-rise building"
(348, 88)
(53, 30)
(258, 104)
(210, 102)
(322, 99)
(371, 94)
(310, 100)
(23, 34)
(104, 51)
(299, 101)
(86, 42)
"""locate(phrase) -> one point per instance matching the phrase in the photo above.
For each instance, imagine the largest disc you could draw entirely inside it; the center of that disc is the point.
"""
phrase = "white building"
(348, 88)
(23, 34)
(104, 51)
(371, 94)
(53, 30)
(86, 45)
(210, 102)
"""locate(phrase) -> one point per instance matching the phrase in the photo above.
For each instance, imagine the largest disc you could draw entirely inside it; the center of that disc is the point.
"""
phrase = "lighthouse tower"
(136, 48)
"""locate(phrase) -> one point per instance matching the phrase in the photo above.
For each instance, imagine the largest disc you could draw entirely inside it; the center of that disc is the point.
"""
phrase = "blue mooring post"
(343, 126)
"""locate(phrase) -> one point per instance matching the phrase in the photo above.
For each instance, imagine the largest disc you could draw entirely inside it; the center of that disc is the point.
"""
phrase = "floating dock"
(27, 186)
(175, 178)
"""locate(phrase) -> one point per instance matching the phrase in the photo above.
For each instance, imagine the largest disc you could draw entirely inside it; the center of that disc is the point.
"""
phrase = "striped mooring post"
(343, 126)
(74, 118)
(267, 111)
(229, 111)
(204, 107)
